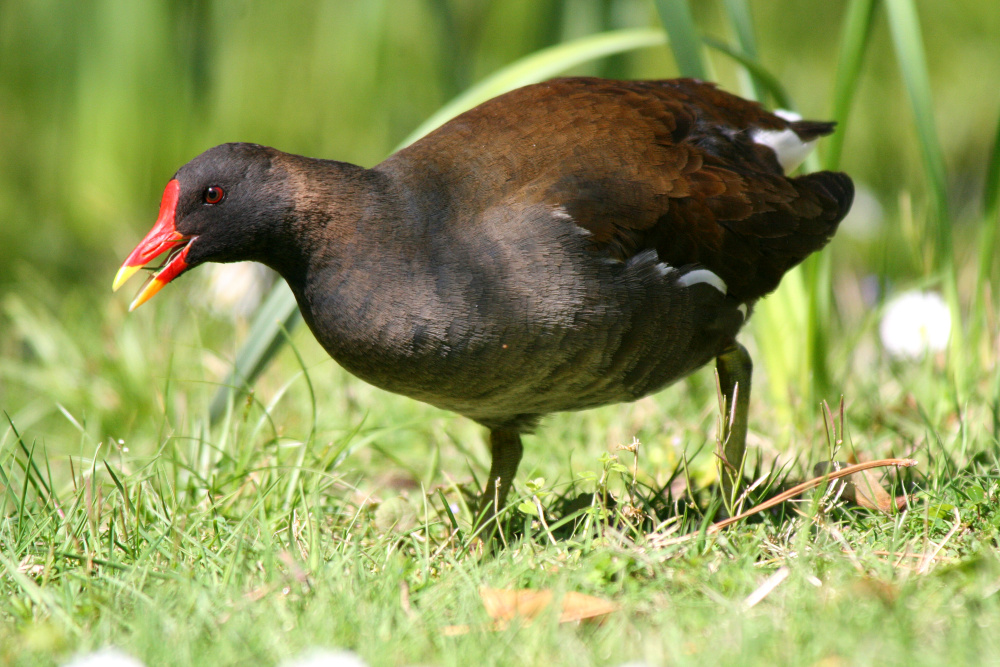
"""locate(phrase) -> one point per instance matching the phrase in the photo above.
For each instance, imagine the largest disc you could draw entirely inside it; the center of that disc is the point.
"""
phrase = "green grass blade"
(908, 42)
(854, 38)
(986, 246)
(764, 80)
(8, 486)
(741, 22)
(685, 41)
(818, 277)
(296, 472)
(119, 486)
(32, 474)
(280, 310)
(814, 371)
(991, 189)
(805, 294)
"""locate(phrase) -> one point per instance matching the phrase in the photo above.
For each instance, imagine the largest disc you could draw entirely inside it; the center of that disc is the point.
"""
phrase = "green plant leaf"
(528, 507)
(988, 229)
(904, 24)
(277, 314)
(991, 190)
(741, 22)
(854, 38)
(765, 81)
(685, 41)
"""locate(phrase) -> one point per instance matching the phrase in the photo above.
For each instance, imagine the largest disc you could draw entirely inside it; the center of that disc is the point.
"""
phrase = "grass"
(195, 545)
(318, 511)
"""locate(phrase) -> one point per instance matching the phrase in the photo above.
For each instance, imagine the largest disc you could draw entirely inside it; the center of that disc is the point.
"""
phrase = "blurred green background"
(175, 534)
(102, 100)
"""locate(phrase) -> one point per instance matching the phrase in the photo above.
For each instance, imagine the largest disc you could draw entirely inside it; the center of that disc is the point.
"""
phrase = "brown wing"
(669, 165)
(749, 228)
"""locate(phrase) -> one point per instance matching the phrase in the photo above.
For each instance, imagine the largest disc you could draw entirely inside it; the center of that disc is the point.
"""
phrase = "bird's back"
(676, 166)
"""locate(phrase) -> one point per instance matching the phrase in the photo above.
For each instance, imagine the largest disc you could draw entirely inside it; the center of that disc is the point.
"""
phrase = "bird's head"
(219, 207)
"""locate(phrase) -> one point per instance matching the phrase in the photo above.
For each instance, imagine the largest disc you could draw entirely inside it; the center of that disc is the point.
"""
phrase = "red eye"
(214, 194)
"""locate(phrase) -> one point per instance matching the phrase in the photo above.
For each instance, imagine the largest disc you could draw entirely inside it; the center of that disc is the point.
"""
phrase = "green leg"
(735, 368)
(506, 448)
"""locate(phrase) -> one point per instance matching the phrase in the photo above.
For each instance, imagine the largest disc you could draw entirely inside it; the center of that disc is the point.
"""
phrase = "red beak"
(163, 237)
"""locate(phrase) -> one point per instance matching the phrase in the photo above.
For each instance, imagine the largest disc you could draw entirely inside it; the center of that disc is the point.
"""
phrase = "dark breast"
(536, 324)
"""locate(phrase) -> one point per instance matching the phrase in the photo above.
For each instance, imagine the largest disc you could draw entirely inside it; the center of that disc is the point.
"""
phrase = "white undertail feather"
(791, 150)
(702, 276)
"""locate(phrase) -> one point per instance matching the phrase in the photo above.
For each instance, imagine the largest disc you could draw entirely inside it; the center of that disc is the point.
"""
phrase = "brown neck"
(339, 209)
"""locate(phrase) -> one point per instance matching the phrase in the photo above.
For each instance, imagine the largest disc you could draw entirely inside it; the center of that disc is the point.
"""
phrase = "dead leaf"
(503, 606)
(862, 488)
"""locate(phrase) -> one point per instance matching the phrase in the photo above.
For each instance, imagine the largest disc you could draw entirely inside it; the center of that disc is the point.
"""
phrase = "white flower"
(915, 323)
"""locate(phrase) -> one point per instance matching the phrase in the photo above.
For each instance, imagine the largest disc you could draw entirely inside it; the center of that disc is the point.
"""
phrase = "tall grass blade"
(32, 475)
(991, 189)
(685, 42)
(741, 22)
(121, 487)
(765, 82)
(987, 233)
(854, 38)
(814, 371)
(817, 270)
(280, 310)
(7, 482)
(904, 25)
(804, 297)
(296, 472)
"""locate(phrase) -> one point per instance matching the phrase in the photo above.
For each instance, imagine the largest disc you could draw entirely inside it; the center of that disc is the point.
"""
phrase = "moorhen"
(565, 245)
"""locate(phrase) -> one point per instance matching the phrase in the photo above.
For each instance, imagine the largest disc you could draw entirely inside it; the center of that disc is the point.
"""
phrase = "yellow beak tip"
(146, 293)
(123, 275)
(140, 299)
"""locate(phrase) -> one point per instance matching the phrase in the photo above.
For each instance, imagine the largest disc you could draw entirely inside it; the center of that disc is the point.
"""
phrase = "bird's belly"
(520, 349)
